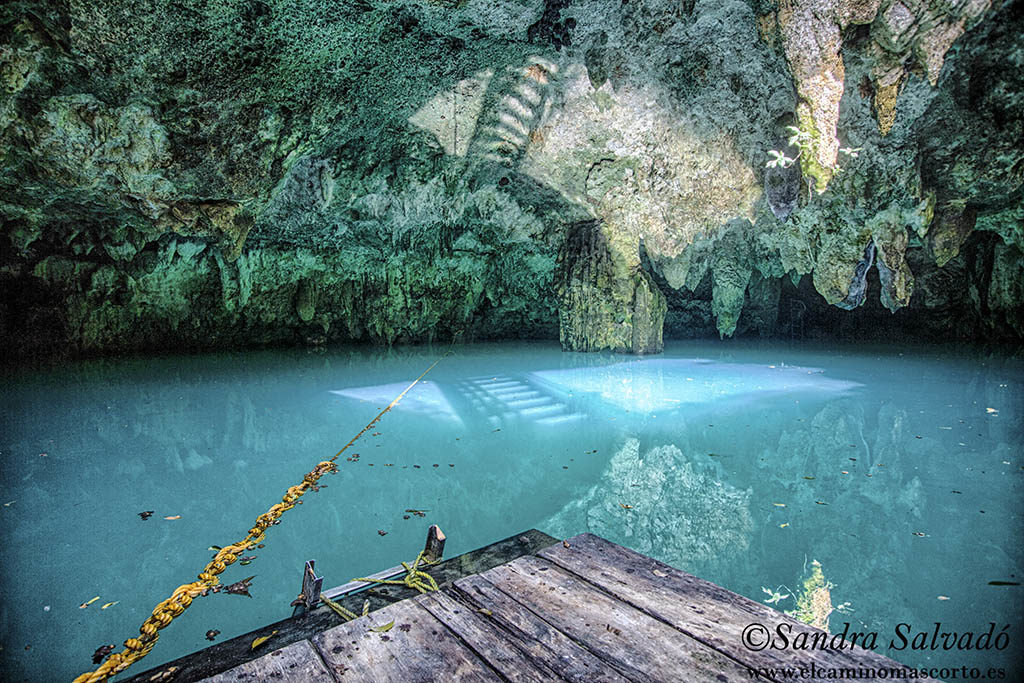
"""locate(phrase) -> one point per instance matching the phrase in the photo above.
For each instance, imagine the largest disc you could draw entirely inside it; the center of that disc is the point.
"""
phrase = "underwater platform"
(583, 609)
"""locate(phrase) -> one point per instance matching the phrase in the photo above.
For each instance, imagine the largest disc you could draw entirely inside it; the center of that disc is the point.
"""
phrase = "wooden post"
(434, 550)
(311, 585)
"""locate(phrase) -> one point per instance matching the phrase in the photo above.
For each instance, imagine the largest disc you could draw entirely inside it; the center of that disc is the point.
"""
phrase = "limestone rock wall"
(211, 174)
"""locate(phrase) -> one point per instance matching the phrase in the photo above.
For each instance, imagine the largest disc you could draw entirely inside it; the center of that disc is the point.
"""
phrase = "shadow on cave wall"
(522, 92)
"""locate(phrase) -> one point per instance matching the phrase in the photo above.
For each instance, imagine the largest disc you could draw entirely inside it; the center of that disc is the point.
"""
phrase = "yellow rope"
(414, 578)
(183, 595)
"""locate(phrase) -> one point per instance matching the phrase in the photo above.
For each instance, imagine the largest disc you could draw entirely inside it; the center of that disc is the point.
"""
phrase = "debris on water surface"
(86, 604)
(919, 533)
(626, 507)
(110, 604)
(381, 532)
(1003, 583)
(943, 597)
(241, 587)
(212, 634)
(779, 505)
(418, 513)
(172, 517)
(101, 653)
(146, 515)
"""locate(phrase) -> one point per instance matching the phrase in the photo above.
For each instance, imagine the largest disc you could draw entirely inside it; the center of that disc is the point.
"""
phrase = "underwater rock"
(680, 512)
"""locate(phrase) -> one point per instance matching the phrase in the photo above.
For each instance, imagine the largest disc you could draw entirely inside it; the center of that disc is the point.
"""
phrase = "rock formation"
(227, 174)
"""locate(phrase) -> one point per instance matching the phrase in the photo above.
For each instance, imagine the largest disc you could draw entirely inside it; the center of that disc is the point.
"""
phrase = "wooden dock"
(578, 610)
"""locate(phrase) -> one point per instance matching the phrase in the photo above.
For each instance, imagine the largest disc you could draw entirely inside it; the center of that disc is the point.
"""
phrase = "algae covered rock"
(661, 503)
(224, 174)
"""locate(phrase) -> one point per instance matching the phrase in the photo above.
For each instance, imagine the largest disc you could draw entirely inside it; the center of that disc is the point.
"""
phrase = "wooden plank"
(698, 608)
(416, 648)
(232, 652)
(296, 663)
(639, 646)
(543, 641)
(510, 657)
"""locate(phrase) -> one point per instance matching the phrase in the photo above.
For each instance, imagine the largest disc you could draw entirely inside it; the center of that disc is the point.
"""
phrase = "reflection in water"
(743, 465)
(663, 504)
(652, 384)
(428, 400)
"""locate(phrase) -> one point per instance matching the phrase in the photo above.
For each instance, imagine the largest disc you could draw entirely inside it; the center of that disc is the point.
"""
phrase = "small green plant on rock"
(804, 143)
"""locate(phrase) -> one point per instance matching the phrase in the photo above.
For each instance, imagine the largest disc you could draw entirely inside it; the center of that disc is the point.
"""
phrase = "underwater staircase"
(503, 398)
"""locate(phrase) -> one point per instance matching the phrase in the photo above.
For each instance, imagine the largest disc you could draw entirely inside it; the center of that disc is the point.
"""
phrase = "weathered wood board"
(295, 663)
(584, 610)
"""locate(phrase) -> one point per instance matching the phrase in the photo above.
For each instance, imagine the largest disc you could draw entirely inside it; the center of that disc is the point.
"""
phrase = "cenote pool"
(899, 472)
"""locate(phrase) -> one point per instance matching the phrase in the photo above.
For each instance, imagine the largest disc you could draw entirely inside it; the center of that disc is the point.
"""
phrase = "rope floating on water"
(174, 606)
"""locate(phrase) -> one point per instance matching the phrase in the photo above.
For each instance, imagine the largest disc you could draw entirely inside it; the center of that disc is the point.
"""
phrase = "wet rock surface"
(390, 172)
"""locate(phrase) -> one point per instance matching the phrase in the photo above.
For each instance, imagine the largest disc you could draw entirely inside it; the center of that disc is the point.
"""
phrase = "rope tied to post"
(182, 596)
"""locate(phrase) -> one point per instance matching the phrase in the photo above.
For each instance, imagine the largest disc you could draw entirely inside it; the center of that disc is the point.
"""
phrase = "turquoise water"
(744, 464)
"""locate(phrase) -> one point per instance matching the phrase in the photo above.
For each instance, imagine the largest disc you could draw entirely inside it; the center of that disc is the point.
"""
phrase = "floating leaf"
(173, 517)
(110, 604)
(784, 525)
(943, 597)
(385, 628)
(625, 507)
(991, 411)
(808, 477)
(9, 504)
(919, 533)
(820, 502)
(262, 639)
(86, 604)
(779, 505)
